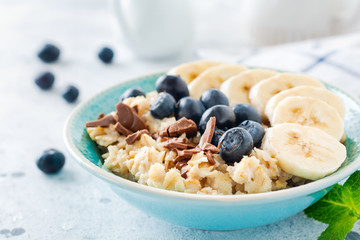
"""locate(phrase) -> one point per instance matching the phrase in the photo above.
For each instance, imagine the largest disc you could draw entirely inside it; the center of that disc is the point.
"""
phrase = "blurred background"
(132, 27)
(316, 37)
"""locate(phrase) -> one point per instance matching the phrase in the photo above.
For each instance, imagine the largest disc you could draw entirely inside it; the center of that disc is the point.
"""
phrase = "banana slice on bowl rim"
(213, 78)
(306, 91)
(304, 151)
(309, 111)
(237, 87)
(261, 93)
(191, 70)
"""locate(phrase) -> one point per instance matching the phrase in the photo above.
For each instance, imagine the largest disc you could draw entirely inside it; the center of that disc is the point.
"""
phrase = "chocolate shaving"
(185, 155)
(180, 165)
(155, 136)
(209, 132)
(179, 143)
(101, 115)
(128, 118)
(122, 130)
(184, 174)
(164, 139)
(211, 148)
(181, 126)
(136, 109)
(205, 141)
(130, 139)
(181, 146)
(210, 157)
(102, 122)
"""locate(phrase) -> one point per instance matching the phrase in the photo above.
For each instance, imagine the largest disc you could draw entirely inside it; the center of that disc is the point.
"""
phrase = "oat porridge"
(285, 130)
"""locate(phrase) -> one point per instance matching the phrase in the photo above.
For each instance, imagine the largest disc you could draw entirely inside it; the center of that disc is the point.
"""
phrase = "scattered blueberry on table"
(45, 80)
(51, 161)
(225, 117)
(49, 53)
(163, 106)
(189, 108)
(213, 97)
(70, 94)
(106, 55)
(244, 111)
(173, 85)
(255, 129)
(234, 144)
(132, 92)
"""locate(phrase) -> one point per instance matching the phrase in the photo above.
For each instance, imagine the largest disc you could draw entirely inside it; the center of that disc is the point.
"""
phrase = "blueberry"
(244, 111)
(234, 144)
(190, 108)
(173, 85)
(255, 129)
(213, 97)
(49, 53)
(51, 161)
(106, 55)
(225, 117)
(132, 92)
(71, 94)
(163, 106)
(216, 137)
(45, 80)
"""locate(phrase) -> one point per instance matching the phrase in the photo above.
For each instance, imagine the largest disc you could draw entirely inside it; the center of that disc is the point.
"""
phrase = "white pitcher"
(266, 22)
(155, 28)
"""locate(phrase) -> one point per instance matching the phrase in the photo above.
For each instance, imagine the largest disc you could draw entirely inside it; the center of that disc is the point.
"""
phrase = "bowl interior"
(106, 100)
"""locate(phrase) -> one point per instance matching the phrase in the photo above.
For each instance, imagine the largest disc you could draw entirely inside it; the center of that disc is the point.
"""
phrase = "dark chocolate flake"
(180, 165)
(205, 141)
(178, 143)
(101, 115)
(185, 155)
(102, 122)
(210, 157)
(211, 148)
(208, 133)
(129, 118)
(122, 130)
(130, 139)
(184, 174)
(181, 126)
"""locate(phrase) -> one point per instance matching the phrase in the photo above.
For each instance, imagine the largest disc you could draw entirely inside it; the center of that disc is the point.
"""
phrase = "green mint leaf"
(351, 193)
(329, 207)
(340, 208)
(338, 229)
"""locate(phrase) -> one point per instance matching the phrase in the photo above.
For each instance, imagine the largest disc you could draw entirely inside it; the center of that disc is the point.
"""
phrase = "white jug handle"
(117, 9)
(346, 10)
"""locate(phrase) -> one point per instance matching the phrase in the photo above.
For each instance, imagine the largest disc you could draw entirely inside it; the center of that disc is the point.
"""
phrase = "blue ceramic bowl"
(205, 211)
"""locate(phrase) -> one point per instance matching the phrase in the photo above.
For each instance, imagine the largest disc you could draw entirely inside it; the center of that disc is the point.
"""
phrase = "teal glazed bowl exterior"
(209, 212)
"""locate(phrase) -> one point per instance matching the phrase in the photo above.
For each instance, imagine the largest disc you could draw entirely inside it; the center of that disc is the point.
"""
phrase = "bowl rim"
(278, 195)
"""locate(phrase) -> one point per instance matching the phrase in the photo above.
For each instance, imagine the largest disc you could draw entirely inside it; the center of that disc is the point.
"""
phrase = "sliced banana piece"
(189, 71)
(309, 111)
(237, 87)
(213, 78)
(306, 91)
(261, 93)
(304, 151)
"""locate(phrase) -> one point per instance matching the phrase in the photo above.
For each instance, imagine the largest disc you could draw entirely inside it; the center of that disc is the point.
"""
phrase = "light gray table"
(73, 204)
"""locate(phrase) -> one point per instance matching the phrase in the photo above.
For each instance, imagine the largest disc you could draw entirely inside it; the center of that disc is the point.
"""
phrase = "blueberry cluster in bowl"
(238, 129)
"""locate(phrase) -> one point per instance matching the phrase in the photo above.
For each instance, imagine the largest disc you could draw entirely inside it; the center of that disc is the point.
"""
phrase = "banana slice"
(189, 71)
(261, 93)
(304, 151)
(309, 111)
(237, 87)
(213, 78)
(306, 91)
